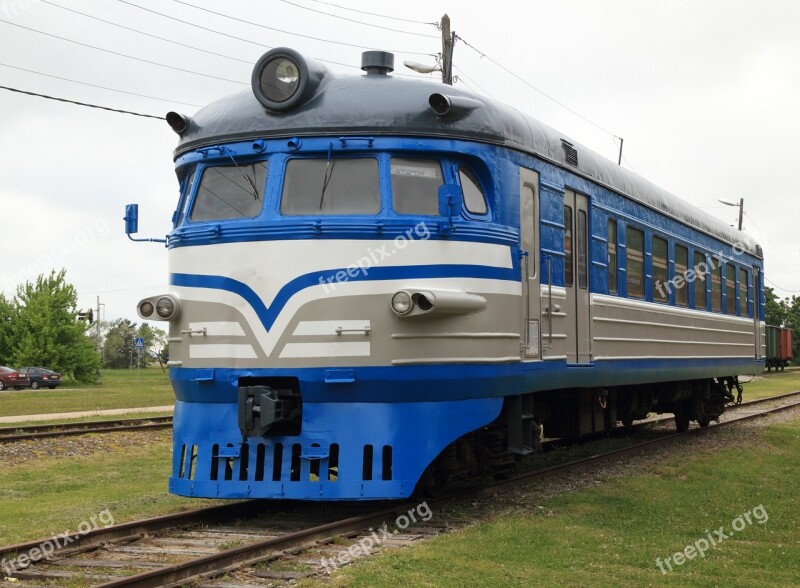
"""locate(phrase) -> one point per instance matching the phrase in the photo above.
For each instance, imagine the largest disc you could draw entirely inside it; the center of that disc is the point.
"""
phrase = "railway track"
(29, 432)
(233, 545)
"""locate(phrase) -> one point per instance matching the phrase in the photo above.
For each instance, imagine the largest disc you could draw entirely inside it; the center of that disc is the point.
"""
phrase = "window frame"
(684, 287)
(614, 290)
(407, 156)
(197, 181)
(467, 213)
(666, 283)
(628, 230)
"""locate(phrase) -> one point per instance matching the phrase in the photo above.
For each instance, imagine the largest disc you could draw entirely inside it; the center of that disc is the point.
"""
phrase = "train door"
(576, 277)
(529, 244)
(757, 310)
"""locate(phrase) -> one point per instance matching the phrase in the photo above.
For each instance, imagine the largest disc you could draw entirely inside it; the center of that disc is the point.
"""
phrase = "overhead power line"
(397, 18)
(527, 83)
(39, 73)
(172, 67)
(137, 31)
(369, 24)
(80, 103)
(269, 28)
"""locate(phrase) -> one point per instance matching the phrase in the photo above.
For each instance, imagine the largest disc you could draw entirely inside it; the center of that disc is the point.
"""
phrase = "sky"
(705, 94)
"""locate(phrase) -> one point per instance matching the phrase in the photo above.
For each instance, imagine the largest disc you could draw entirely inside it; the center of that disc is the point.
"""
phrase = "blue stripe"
(268, 315)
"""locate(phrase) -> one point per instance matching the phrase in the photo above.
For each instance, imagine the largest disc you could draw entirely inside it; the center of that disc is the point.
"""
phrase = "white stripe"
(344, 349)
(329, 327)
(222, 351)
(219, 328)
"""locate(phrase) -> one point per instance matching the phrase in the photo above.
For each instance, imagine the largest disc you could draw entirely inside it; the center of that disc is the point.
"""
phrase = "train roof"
(376, 104)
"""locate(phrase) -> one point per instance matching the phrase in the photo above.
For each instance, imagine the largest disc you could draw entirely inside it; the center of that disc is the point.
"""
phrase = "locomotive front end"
(338, 308)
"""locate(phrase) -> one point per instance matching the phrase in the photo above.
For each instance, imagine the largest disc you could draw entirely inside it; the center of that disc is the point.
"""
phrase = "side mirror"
(131, 219)
(450, 198)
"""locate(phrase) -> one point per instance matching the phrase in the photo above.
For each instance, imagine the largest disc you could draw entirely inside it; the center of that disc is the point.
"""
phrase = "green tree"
(775, 308)
(118, 351)
(45, 330)
(6, 322)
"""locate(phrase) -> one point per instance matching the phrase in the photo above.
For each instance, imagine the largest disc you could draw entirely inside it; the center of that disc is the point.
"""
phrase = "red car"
(10, 377)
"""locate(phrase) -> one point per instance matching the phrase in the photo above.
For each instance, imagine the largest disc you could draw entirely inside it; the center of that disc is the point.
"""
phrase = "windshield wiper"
(328, 174)
(253, 188)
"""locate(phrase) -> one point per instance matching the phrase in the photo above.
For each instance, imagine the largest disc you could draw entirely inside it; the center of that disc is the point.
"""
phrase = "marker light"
(165, 307)
(146, 308)
(401, 302)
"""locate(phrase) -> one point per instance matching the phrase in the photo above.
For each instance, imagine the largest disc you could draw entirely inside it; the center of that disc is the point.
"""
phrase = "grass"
(52, 493)
(772, 383)
(611, 535)
(117, 389)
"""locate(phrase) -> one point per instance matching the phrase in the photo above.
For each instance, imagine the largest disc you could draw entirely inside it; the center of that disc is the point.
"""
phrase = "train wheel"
(704, 422)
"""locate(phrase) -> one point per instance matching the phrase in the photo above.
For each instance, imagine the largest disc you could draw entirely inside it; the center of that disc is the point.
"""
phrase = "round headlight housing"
(402, 303)
(146, 308)
(283, 79)
(166, 307)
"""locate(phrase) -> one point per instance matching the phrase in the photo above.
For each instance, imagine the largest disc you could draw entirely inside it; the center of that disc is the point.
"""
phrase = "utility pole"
(621, 141)
(741, 212)
(448, 42)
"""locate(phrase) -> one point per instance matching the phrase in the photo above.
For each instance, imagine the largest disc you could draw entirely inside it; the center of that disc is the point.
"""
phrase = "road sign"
(138, 342)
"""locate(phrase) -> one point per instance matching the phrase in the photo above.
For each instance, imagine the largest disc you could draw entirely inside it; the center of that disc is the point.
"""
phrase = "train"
(779, 347)
(382, 285)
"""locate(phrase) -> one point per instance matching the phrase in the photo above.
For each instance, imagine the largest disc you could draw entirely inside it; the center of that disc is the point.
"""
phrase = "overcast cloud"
(705, 94)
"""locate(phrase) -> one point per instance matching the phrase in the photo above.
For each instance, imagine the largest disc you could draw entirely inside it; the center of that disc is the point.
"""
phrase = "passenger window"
(744, 306)
(635, 262)
(415, 186)
(716, 287)
(612, 256)
(730, 289)
(230, 191)
(568, 269)
(661, 285)
(474, 199)
(335, 186)
(700, 273)
(679, 282)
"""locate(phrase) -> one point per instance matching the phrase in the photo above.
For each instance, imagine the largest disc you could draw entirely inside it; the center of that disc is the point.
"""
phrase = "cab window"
(331, 186)
(474, 198)
(415, 186)
(230, 191)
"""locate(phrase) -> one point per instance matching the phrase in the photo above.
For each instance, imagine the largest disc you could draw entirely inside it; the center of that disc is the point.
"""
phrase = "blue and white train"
(379, 284)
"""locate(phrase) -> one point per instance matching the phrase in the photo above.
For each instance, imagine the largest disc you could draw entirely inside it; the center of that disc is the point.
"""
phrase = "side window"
(681, 266)
(661, 285)
(568, 263)
(612, 256)
(730, 289)
(716, 288)
(415, 186)
(700, 272)
(230, 191)
(335, 186)
(474, 198)
(635, 262)
(744, 305)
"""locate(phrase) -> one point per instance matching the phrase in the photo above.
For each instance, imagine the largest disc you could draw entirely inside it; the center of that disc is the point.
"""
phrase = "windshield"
(230, 191)
(331, 186)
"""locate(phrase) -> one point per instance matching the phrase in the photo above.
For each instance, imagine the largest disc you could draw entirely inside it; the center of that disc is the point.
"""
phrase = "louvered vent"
(570, 153)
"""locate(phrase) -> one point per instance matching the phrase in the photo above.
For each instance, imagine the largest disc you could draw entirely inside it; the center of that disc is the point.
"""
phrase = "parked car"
(40, 377)
(11, 378)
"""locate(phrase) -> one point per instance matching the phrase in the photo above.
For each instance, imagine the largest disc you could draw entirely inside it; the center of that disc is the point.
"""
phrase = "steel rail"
(25, 433)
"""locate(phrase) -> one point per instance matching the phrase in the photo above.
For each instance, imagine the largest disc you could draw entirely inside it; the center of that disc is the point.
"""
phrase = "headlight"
(165, 307)
(401, 302)
(146, 308)
(283, 79)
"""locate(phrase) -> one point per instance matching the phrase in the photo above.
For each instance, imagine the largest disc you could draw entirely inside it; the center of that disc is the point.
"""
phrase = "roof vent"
(377, 63)
(570, 153)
